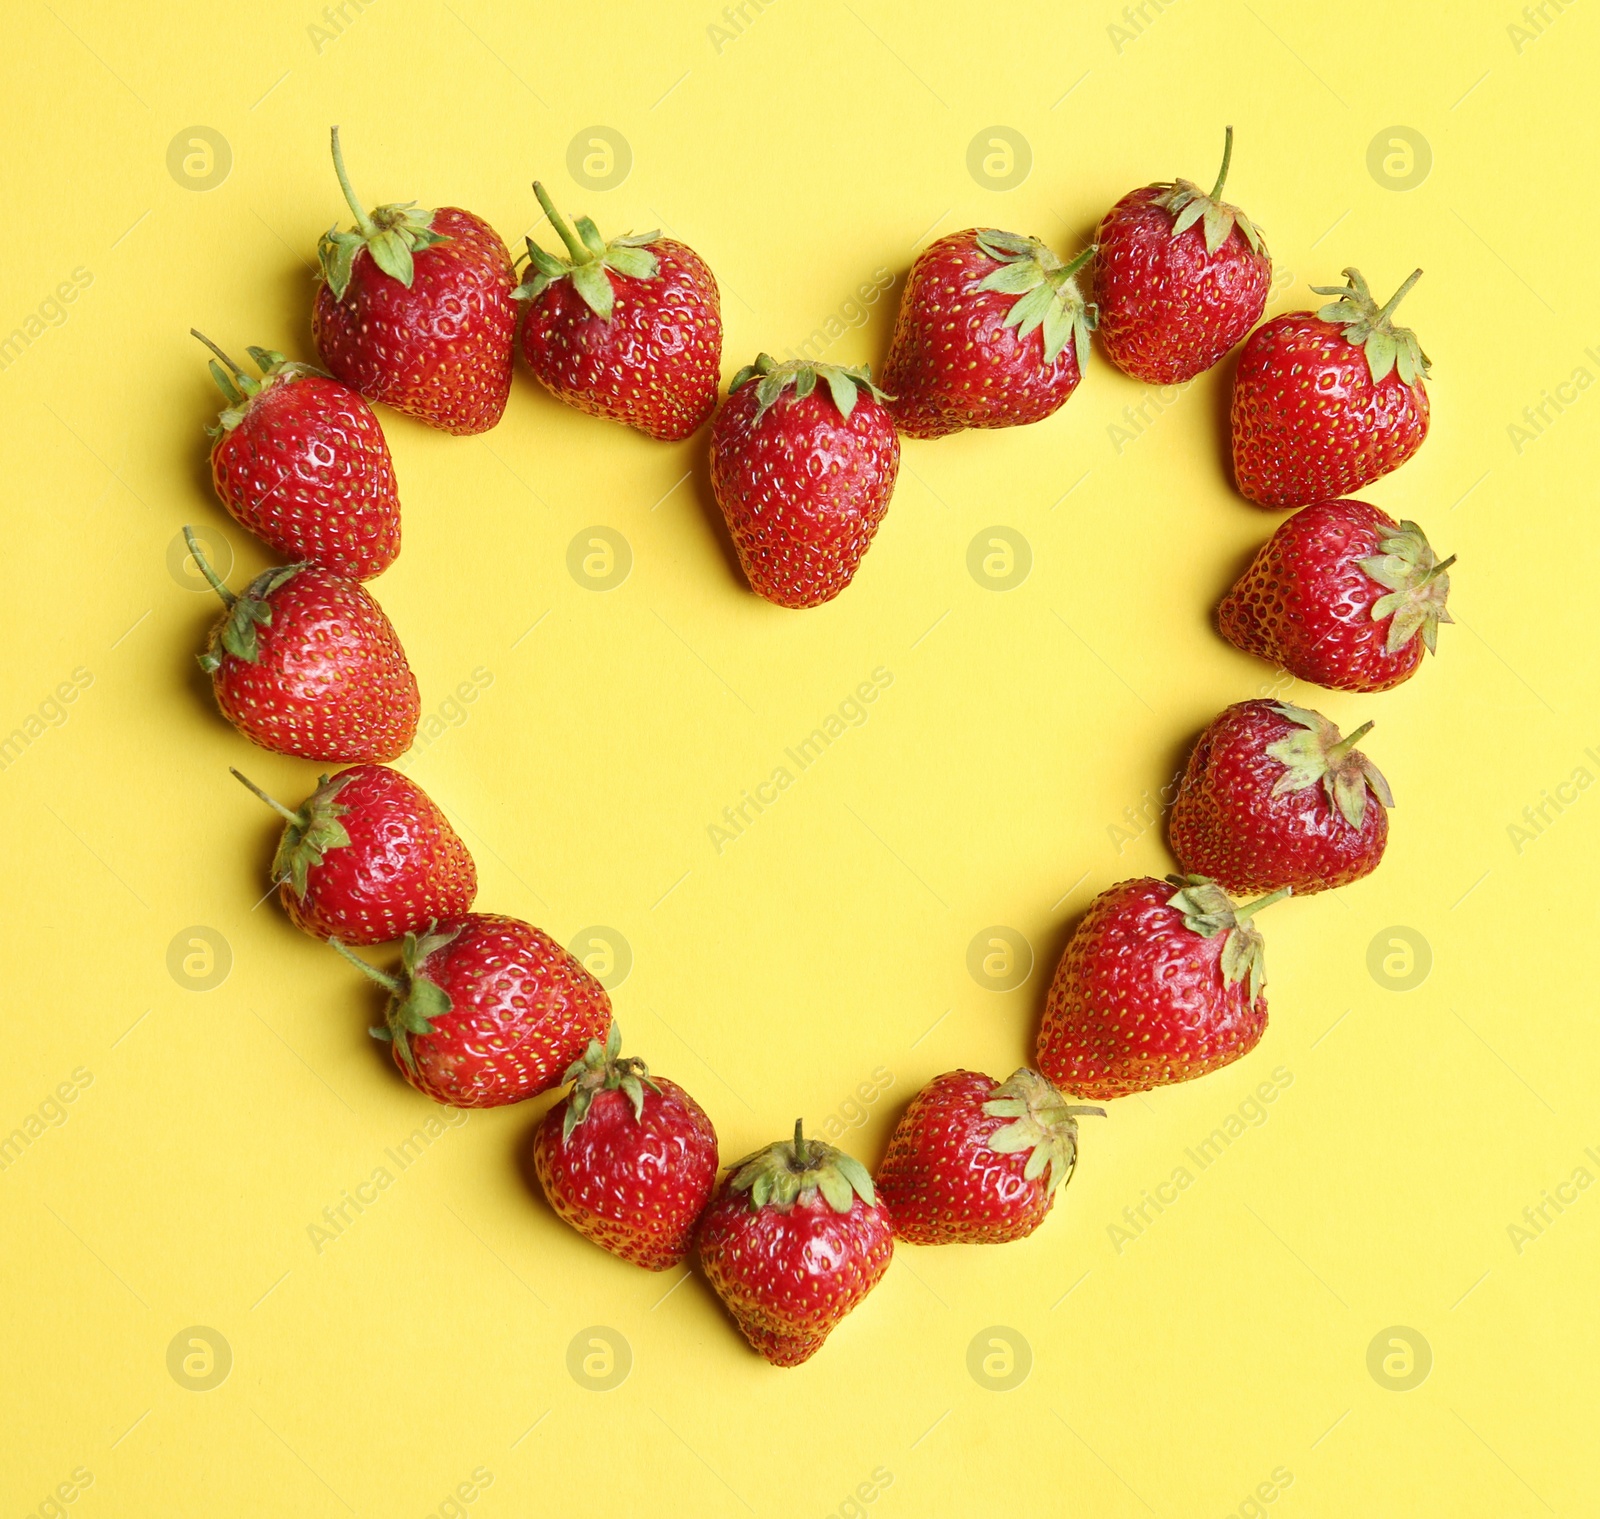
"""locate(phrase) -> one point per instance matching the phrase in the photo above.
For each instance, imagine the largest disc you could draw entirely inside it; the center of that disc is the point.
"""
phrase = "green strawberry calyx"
(844, 382)
(1418, 584)
(1208, 911)
(792, 1171)
(1048, 294)
(247, 611)
(1315, 753)
(240, 389)
(414, 1000)
(391, 234)
(590, 260)
(309, 833)
(1368, 326)
(1044, 1125)
(1188, 205)
(604, 1068)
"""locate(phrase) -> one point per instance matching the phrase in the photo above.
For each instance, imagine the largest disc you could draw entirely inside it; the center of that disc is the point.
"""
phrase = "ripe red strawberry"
(1338, 595)
(803, 472)
(299, 460)
(415, 310)
(1326, 402)
(1274, 797)
(369, 857)
(304, 662)
(629, 1160)
(1180, 278)
(486, 1010)
(793, 1240)
(992, 332)
(977, 1161)
(629, 330)
(1157, 985)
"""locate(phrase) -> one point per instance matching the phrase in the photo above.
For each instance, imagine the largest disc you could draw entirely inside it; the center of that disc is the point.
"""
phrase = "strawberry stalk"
(391, 984)
(414, 1000)
(1346, 744)
(229, 600)
(1243, 914)
(579, 253)
(1394, 300)
(1227, 158)
(363, 221)
(271, 801)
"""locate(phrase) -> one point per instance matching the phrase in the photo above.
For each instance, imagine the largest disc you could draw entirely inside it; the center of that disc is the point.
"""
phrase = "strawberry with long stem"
(299, 459)
(304, 662)
(1326, 401)
(486, 1010)
(414, 309)
(1180, 278)
(368, 857)
(629, 330)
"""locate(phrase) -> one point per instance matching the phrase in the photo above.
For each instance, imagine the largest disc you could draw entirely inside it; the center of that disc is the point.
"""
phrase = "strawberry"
(1180, 278)
(977, 1161)
(415, 310)
(486, 1010)
(992, 332)
(1274, 797)
(1338, 596)
(803, 473)
(793, 1239)
(629, 330)
(1326, 402)
(299, 460)
(369, 857)
(1157, 985)
(629, 1160)
(304, 662)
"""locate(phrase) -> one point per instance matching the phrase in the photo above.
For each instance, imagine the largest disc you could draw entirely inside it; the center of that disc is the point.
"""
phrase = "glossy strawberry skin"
(654, 365)
(331, 683)
(1308, 421)
(953, 363)
(403, 867)
(1139, 1000)
(1306, 604)
(1226, 823)
(440, 351)
(803, 489)
(307, 470)
(941, 1182)
(634, 1185)
(789, 1278)
(522, 1010)
(1168, 309)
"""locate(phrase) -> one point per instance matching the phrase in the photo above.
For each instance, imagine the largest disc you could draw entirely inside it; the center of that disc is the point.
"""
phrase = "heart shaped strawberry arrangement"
(1162, 981)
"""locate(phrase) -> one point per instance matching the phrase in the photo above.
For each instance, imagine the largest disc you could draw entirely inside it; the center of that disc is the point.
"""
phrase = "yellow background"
(825, 140)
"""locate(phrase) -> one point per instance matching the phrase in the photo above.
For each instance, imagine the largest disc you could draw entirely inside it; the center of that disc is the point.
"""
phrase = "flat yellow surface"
(1249, 1273)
